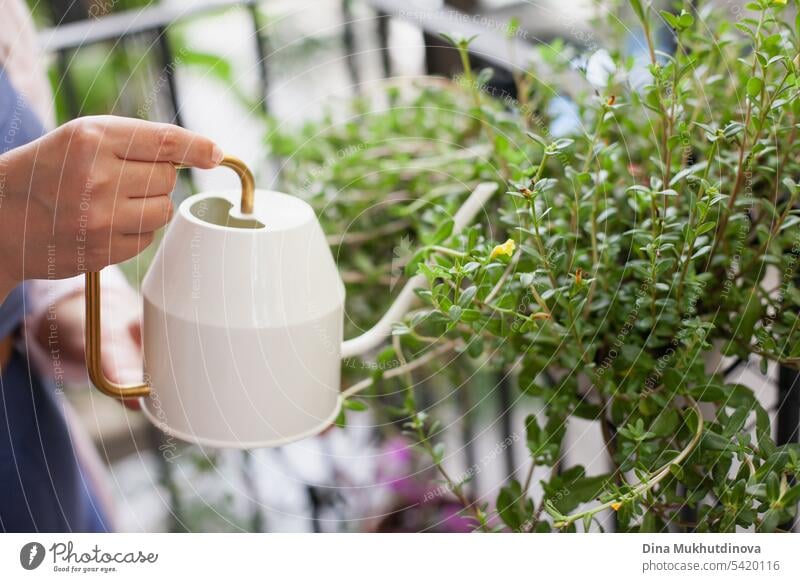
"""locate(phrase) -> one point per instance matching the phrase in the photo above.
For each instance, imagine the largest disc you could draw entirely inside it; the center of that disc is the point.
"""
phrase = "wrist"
(7, 284)
(9, 225)
(7, 278)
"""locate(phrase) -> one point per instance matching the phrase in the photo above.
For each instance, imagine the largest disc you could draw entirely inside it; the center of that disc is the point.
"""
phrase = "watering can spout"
(373, 337)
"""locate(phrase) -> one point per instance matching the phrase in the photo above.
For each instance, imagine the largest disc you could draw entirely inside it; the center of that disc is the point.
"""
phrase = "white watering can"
(243, 318)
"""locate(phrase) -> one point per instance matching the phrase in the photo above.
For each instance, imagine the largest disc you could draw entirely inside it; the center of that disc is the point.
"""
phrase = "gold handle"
(246, 177)
(93, 335)
(93, 350)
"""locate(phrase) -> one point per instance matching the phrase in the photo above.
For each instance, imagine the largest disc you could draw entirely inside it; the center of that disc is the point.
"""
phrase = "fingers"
(122, 359)
(135, 335)
(147, 178)
(125, 246)
(102, 251)
(132, 404)
(144, 141)
(135, 215)
(119, 367)
(116, 175)
(135, 331)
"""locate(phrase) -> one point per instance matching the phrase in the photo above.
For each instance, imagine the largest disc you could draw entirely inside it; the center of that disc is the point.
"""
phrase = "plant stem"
(666, 118)
(700, 193)
(354, 238)
(595, 252)
(740, 165)
(647, 484)
(402, 369)
(540, 243)
(447, 251)
(503, 278)
(526, 487)
(424, 441)
(539, 300)
(669, 126)
(649, 39)
(463, 52)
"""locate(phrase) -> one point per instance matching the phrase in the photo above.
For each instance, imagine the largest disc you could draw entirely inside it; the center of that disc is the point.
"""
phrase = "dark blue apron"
(42, 487)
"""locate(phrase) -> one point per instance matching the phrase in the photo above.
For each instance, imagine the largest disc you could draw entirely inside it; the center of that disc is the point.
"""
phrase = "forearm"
(13, 172)
(7, 284)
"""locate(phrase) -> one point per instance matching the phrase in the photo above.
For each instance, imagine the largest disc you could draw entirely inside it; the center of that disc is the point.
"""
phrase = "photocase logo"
(31, 555)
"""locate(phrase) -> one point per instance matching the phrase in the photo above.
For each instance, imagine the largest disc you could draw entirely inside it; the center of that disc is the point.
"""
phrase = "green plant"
(665, 226)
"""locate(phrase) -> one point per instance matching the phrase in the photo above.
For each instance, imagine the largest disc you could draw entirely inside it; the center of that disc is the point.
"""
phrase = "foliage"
(663, 226)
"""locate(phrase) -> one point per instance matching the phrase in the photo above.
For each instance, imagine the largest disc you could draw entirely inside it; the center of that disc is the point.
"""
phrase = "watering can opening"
(220, 212)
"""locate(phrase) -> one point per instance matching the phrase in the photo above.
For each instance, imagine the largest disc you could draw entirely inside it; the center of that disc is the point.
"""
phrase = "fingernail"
(217, 155)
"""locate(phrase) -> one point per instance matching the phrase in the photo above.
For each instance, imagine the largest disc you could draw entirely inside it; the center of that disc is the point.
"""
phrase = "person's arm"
(89, 194)
(7, 284)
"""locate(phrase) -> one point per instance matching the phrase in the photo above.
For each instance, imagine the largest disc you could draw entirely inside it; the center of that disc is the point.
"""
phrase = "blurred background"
(245, 73)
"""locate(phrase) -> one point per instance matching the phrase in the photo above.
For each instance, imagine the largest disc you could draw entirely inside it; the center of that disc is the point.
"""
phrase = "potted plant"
(620, 254)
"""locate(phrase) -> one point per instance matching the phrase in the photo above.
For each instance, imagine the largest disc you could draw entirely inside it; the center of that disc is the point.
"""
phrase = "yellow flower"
(616, 505)
(507, 249)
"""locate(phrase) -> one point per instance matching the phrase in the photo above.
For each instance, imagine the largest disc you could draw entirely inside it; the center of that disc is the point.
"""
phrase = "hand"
(122, 356)
(89, 194)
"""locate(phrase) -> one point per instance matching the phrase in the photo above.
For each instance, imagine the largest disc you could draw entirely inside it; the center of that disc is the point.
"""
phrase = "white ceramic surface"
(243, 327)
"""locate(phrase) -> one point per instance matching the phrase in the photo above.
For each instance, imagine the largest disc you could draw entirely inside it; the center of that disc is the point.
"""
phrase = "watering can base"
(239, 444)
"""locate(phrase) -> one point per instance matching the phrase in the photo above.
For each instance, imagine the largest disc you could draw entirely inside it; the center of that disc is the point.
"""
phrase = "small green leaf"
(438, 453)
(355, 405)
(773, 487)
(454, 313)
(704, 228)
(638, 9)
(701, 251)
(537, 138)
(770, 521)
(587, 522)
(442, 233)
(685, 19)
(467, 295)
(670, 19)
(512, 506)
(754, 86)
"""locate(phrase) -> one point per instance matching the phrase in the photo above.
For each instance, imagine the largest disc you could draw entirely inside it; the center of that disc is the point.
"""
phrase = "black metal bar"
(261, 55)
(66, 87)
(506, 406)
(168, 64)
(383, 42)
(316, 508)
(251, 486)
(687, 513)
(349, 40)
(732, 367)
(158, 440)
(84, 31)
(64, 11)
(788, 415)
(788, 424)
(464, 403)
